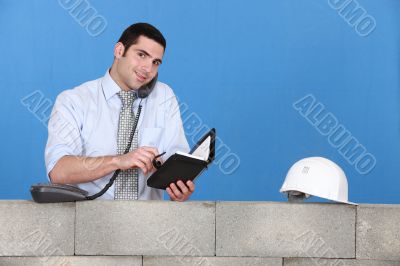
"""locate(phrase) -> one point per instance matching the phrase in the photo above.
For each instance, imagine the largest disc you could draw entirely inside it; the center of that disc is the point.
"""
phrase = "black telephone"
(52, 193)
(145, 90)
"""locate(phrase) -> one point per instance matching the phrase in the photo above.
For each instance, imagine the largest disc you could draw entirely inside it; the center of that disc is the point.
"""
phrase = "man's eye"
(157, 63)
(141, 55)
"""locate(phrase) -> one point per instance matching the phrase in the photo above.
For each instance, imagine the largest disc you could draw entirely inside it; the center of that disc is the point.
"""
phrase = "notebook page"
(203, 150)
(190, 155)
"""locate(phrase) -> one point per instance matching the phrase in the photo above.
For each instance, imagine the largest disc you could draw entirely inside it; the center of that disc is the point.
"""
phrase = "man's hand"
(180, 191)
(140, 158)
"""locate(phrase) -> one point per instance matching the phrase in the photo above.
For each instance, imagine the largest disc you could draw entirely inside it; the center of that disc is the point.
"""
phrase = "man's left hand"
(180, 191)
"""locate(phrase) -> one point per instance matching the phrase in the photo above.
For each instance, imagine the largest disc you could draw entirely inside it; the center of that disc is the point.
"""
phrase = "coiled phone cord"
(128, 147)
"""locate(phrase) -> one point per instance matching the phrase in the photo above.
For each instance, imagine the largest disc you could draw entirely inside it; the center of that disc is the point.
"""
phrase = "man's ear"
(119, 50)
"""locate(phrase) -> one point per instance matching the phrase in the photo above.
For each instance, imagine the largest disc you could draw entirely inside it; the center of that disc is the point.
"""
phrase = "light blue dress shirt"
(84, 122)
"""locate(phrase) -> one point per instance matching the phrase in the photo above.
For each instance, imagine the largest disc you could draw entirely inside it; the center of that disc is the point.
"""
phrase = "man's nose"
(147, 66)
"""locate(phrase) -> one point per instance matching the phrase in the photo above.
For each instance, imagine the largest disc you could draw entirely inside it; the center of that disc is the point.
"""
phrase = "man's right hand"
(140, 158)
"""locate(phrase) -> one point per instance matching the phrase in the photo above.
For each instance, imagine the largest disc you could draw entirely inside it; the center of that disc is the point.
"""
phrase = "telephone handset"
(52, 193)
(146, 89)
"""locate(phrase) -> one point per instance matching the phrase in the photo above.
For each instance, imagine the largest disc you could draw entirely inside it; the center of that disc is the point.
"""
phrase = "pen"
(161, 154)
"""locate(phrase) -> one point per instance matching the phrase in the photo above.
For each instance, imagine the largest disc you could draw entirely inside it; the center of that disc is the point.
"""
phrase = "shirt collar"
(110, 87)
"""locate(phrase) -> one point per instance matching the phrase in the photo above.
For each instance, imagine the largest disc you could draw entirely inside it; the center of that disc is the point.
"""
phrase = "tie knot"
(127, 98)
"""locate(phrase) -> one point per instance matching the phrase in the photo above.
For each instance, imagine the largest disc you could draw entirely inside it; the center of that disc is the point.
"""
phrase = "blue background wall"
(238, 65)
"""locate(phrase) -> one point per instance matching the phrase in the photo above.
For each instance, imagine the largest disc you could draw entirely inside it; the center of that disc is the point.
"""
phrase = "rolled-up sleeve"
(64, 131)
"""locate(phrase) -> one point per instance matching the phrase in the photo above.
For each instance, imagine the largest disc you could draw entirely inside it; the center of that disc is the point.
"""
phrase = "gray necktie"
(126, 184)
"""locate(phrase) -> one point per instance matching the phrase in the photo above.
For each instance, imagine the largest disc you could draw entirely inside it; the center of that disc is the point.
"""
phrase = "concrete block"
(145, 228)
(72, 260)
(31, 229)
(285, 229)
(337, 262)
(378, 232)
(211, 261)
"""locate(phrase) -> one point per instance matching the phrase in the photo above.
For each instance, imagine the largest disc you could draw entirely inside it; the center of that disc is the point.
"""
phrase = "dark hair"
(134, 31)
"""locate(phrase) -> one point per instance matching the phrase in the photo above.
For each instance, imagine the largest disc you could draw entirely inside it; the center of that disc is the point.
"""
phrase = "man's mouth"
(141, 77)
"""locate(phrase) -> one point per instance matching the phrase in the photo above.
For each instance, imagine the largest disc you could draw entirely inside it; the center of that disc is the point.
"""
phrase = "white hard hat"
(316, 176)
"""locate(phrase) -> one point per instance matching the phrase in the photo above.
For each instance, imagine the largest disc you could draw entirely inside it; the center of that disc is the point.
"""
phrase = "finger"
(176, 191)
(138, 153)
(146, 153)
(153, 150)
(139, 164)
(150, 156)
(183, 187)
(146, 161)
(191, 186)
(147, 158)
(171, 194)
(142, 166)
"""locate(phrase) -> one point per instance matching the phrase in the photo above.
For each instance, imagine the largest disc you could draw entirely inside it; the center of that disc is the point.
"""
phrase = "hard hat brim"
(347, 202)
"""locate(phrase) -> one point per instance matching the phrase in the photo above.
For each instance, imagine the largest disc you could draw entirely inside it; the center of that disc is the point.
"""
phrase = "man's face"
(139, 65)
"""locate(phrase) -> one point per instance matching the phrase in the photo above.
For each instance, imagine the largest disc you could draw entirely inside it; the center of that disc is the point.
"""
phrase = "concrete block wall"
(198, 233)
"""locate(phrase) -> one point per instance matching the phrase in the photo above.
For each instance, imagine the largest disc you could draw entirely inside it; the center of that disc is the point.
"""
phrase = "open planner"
(185, 166)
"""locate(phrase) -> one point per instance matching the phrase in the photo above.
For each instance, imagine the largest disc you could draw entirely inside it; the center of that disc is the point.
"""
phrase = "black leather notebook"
(182, 166)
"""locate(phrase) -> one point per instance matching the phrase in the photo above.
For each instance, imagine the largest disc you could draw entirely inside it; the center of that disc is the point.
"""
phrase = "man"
(89, 126)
